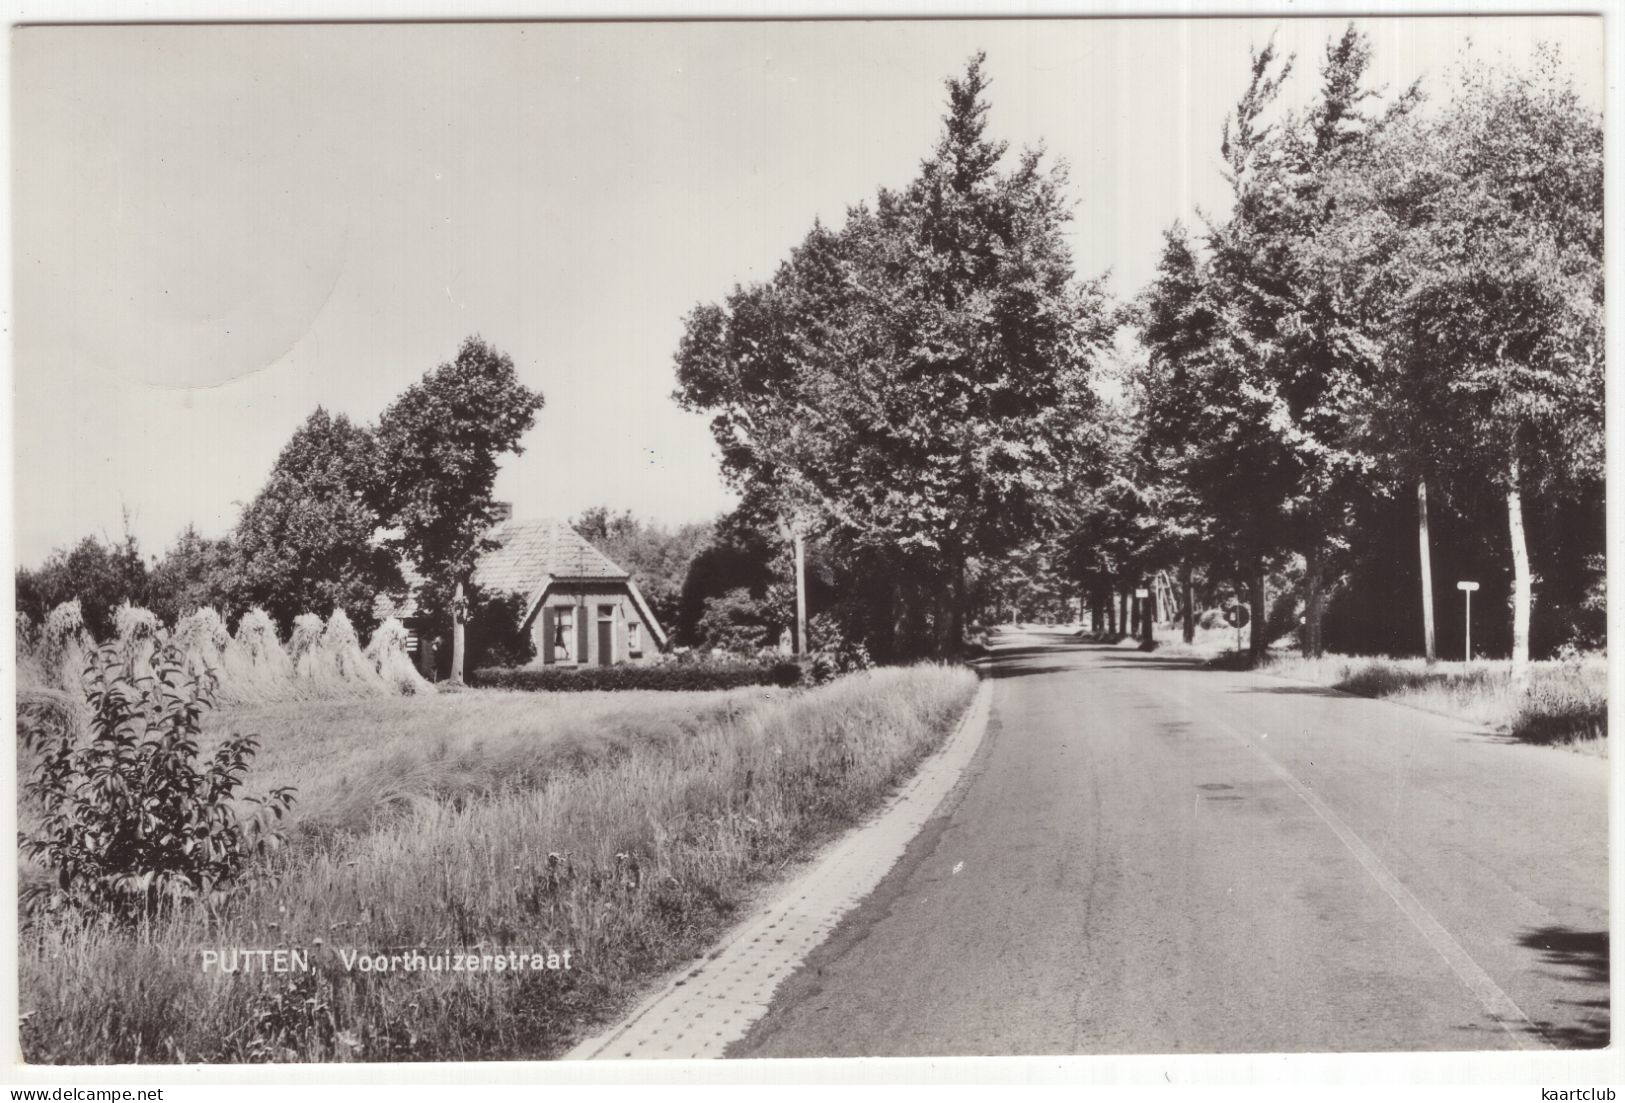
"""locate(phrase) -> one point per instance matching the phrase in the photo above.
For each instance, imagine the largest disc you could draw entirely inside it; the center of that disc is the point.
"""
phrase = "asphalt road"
(1147, 857)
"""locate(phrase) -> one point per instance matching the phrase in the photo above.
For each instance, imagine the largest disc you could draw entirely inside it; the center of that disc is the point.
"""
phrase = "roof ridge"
(530, 551)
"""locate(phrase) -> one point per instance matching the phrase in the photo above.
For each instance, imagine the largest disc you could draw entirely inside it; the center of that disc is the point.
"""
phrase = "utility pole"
(801, 592)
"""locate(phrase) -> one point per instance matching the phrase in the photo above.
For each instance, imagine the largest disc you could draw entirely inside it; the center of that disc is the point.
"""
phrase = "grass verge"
(1563, 703)
(627, 832)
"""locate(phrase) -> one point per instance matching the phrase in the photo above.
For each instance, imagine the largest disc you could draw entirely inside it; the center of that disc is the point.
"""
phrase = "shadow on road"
(1036, 649)
(1299, 691)
(1577, 956)
(1152, 661)
(1000, 672)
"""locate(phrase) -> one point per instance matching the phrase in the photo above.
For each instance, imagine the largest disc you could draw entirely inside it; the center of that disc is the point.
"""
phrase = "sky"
(217, 229)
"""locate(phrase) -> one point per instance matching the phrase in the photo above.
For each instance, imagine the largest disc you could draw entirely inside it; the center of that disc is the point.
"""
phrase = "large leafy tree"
(1483, 224)
(1223, 478)
(918, 378)
(1184, 332)
(1308, 367)
(307, 542)
(196, 572)
(435, 463)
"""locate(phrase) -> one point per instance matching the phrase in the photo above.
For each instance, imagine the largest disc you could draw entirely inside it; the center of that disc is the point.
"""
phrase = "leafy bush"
(495, 633)
(687, 675)
(1563, 706)
(834, 652)
(734, 621)
(130, 820)
(822, 669)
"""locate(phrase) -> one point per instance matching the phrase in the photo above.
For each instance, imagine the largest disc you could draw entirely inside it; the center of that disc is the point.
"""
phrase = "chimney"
(500, 512)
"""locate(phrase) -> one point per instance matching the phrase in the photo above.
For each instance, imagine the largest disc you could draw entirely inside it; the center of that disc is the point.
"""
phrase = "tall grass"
(627, 831)
(1561, 702)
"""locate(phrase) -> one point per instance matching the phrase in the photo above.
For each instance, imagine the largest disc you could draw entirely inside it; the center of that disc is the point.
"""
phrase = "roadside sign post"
(1237, 616)
(1467, 589)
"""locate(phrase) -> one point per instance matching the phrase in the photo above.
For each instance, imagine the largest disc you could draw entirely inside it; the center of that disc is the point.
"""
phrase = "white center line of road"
(1507, 1014)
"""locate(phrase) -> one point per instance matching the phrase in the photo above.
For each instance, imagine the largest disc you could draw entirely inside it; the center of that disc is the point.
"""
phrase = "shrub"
(835, 653)
(734, 621)
(1387, 680)
(1561, 710)
(823, 669)
(130, 820)
(697, 675)
(496, 632)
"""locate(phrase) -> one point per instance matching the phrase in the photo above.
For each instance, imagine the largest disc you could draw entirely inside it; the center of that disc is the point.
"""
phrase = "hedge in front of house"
(667, 676)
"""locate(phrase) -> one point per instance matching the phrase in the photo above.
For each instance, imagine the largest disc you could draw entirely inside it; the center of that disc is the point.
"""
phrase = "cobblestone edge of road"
(711, 1003)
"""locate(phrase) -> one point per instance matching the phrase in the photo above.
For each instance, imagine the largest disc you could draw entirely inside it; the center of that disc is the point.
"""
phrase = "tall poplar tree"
(918, 377)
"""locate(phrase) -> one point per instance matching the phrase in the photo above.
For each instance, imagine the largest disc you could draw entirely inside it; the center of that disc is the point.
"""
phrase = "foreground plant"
(628, 829)
(131, 820)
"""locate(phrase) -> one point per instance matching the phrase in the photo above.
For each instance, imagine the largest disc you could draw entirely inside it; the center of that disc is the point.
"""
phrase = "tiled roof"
(533, 550)
(530, 551)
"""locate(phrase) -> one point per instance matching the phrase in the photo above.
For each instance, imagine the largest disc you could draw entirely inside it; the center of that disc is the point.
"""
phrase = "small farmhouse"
(581, 609)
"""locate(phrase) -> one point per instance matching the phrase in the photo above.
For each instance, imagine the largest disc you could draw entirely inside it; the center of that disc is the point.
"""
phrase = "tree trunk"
(1258, 640)
(1429, 642)
(1094, 612)
(801, 594)
(459, 618)
(1187, 595)
(1122, 612)
(1111, 615)
(1148, 617)
(1314, 603)
(1136, 613)
(956, 609)
(1521, 590)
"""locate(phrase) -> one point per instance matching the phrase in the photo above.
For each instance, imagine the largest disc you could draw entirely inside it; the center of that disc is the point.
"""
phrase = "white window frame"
(564, 634)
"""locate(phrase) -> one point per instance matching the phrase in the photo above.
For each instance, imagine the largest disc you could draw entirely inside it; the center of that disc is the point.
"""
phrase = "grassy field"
(627, 829)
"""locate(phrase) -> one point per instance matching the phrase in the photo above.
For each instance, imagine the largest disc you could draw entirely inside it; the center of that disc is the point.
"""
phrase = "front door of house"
(606, 635)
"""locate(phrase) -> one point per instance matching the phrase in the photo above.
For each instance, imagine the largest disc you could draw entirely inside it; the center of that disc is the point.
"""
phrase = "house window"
(564, 636)
(634, 638)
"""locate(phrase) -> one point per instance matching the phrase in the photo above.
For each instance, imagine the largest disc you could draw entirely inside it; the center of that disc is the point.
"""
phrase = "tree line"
(1403, 303)
(344, 507)
(1381, 364)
